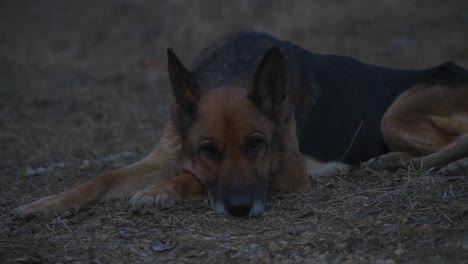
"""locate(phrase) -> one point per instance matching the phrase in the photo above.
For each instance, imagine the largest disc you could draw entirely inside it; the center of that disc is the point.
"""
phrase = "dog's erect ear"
(185, 90)
(270, 84)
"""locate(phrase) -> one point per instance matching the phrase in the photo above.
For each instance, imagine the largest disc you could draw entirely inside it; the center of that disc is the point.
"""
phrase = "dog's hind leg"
(427, 127)
(457, 168)
(158, 167)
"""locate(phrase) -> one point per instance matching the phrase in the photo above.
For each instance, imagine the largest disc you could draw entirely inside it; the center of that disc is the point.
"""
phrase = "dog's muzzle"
(239, 204)
(238, 207)
(239, 200)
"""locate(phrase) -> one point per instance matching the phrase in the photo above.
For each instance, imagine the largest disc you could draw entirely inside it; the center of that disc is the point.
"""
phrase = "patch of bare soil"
(83, 89)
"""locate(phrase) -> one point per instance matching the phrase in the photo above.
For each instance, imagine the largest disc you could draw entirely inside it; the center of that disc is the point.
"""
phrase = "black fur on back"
(342, 99)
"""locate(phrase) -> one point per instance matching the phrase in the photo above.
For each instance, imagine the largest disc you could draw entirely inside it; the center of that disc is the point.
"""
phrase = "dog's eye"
(255, 143)
(210, 151)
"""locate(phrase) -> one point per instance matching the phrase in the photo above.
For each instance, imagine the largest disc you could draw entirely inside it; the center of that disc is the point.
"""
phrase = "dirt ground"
(83, 89)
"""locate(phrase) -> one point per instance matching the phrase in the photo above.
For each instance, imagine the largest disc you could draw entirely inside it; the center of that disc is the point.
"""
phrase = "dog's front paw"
(456, 168)
(154, 197)
(389, 161)
(44, 208)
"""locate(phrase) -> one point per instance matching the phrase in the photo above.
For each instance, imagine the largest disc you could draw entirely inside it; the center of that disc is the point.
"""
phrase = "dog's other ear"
(270, 83)
(184, 89)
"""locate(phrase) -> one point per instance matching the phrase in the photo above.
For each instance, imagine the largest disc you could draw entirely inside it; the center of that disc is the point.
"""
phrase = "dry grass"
(81, 82)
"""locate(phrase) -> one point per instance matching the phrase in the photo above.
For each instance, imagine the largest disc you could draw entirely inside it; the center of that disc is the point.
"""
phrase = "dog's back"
(338, 101)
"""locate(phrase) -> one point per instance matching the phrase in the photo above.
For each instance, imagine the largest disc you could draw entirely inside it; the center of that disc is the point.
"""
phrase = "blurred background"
(83, 79)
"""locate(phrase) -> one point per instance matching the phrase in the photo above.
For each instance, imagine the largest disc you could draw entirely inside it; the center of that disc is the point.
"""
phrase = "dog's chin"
(258, 205)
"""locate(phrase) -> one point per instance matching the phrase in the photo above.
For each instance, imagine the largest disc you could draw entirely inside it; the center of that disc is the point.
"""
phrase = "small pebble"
(160, 246)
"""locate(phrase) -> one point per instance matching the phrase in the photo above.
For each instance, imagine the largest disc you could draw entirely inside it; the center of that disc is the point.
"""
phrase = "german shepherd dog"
(255, 114)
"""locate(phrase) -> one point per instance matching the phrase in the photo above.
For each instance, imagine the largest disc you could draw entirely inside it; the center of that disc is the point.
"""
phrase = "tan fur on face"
(228, 117)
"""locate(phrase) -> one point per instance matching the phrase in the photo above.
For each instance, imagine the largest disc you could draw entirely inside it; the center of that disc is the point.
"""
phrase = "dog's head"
(230, 133)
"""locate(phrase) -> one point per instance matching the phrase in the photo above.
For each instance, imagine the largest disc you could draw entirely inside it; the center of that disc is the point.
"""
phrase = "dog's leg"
(292, 176)
(316, 169)
(427, 126)
(294, 169)
(456, 168)
(161, 196)
(452, 153)
(160, 166)
(290, 172)
(388, 161)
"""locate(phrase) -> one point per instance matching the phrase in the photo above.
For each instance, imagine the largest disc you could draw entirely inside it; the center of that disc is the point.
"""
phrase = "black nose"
(238, 204)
